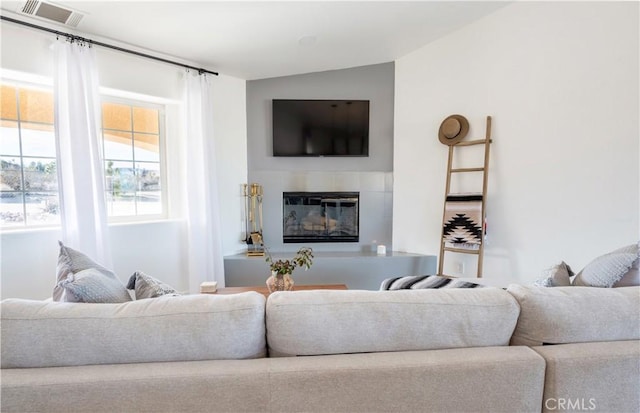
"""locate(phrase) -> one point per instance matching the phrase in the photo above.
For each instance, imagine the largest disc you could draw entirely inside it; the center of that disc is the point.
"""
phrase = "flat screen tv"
(320, 127)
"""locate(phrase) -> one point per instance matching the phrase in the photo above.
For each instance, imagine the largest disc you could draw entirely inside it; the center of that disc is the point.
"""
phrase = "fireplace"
(320, 217)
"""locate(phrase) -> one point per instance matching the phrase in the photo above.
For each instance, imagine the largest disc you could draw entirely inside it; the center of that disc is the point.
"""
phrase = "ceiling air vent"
(51, 12)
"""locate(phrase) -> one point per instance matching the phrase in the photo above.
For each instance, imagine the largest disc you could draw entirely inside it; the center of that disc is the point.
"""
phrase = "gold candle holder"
(253, 202)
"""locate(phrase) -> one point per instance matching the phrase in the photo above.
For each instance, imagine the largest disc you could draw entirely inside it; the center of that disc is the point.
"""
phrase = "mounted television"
(320, 127)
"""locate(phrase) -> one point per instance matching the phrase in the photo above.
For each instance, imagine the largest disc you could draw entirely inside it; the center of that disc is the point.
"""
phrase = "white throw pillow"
(557, 276)
(607, 270)
(631, 278)
(75, 287)
(93, 286)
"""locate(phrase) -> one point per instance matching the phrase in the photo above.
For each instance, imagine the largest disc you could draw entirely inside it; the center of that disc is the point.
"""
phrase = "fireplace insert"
(320, 217)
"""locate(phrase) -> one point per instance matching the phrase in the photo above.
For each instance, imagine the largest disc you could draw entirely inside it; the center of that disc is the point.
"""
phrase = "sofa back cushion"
(302, 323)
(561, 315)
(195, 327)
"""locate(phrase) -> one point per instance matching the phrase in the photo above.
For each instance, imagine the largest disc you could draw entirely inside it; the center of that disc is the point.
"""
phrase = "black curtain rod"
(120, 49)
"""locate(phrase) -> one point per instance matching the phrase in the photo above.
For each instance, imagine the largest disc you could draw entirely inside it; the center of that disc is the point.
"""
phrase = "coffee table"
(265, 291)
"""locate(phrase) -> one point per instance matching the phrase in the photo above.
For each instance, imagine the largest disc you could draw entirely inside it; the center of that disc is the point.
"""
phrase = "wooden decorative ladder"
(479, 252)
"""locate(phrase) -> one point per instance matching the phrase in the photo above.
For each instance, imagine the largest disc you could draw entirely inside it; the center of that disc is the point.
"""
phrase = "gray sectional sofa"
(524, 349)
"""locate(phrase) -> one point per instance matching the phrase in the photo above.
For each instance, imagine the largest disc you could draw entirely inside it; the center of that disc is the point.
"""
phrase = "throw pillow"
(419, 282)
(632, 277)
(93, 286)
(557, 276)
(608, 269)
(145, 286)
(71, 262)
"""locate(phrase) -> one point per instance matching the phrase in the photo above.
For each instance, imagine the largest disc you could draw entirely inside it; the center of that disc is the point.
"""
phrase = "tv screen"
(320, 127)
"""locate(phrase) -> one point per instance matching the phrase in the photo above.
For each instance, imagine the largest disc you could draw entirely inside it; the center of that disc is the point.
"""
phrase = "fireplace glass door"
(320, 217)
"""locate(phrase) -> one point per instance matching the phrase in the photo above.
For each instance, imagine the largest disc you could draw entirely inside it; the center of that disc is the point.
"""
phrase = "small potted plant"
(281, 270)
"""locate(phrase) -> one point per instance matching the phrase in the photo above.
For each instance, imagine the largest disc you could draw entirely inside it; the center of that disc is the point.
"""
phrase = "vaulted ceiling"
(254, 40)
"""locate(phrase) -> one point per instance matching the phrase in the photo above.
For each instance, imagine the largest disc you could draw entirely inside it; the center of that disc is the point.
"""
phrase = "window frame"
(45, 84)
(164, 198)
(41, 87)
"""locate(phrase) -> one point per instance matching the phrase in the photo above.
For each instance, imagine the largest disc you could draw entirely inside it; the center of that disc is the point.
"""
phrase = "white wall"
(28, 258)
(561, 83)
(231, 153)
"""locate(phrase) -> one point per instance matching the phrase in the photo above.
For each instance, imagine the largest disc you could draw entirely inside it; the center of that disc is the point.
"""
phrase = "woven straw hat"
(453, 129)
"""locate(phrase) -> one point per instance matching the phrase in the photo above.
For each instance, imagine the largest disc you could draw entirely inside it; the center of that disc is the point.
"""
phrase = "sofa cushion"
(333, 322)
(488, 379)
(194, 327)
(481, 379)
(608, 269)
(600, 376)
(575, 314)
(175, 387)
(99, 285)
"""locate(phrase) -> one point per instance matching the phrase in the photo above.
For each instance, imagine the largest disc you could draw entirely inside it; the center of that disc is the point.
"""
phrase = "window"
(132, 148)
(28, 176)
(133, 161)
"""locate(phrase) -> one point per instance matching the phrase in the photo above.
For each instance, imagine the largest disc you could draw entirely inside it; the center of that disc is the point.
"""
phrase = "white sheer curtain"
(204, 249)
(80, 166)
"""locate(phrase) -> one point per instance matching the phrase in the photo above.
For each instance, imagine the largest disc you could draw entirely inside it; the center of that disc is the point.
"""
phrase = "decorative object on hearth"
(464, 222)
(253, 210)
(453, 129)
(281, 270)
